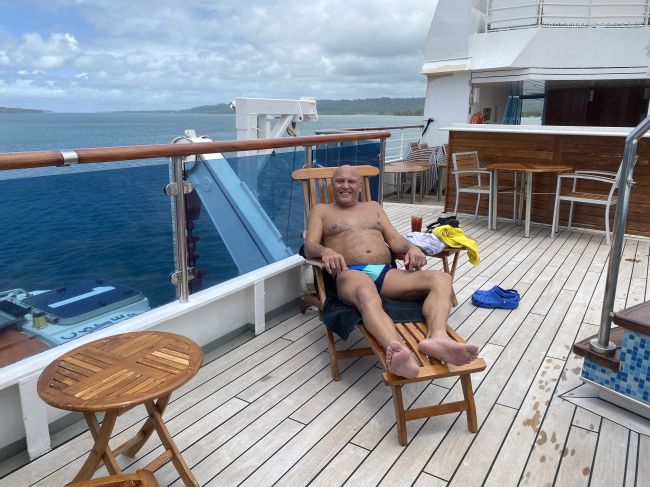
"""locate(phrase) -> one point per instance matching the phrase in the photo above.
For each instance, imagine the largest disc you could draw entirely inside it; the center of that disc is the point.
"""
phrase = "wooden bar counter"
(595, 148)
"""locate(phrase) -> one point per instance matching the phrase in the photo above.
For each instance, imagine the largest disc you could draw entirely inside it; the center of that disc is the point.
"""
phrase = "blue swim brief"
(376, 272)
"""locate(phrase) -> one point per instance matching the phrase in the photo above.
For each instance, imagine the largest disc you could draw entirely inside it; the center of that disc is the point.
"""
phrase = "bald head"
(346, 183)
(346, 171)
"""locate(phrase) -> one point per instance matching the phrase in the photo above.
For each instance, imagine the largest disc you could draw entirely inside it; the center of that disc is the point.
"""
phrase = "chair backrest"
(420, 153)
(317, 184)
(465, 160)
(440, 156)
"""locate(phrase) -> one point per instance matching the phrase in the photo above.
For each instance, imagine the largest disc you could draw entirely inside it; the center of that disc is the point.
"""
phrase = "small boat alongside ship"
(31, 322)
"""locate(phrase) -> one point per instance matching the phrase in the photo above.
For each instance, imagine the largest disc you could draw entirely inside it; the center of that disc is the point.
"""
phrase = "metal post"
(309, 156)
(603, 344)
(382, 164)
(177, 189)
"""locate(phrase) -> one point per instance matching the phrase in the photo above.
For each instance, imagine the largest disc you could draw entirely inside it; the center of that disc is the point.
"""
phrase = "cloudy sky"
(102, 55)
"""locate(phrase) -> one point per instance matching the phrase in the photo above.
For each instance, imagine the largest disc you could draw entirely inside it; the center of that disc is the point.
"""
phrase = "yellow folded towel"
(456, 238)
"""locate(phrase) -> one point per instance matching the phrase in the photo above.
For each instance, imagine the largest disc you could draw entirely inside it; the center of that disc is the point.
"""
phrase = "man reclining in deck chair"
(352, 238)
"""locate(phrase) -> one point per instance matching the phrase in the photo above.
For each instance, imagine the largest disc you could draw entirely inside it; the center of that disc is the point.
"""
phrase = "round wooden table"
(528, 169)
(114, 374)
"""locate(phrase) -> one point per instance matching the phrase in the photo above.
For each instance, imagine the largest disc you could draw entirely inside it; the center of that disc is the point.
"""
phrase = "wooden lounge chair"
(317, 188)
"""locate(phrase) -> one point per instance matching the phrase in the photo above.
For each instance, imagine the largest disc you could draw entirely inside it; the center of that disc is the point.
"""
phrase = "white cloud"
(44, 54)
(166, 54)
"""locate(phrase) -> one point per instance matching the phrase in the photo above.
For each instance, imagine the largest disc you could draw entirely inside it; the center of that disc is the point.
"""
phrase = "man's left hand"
(414, 258)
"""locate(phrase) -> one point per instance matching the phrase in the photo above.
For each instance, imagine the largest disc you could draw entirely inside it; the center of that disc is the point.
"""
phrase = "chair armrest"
(580, 177)
(597, 173)
(315, 262)
(472, 171)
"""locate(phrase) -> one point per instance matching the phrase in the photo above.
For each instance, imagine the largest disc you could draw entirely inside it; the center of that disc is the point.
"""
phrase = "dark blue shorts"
(376, 272)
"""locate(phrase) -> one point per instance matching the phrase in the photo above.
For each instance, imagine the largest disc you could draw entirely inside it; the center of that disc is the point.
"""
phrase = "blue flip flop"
(496, 297)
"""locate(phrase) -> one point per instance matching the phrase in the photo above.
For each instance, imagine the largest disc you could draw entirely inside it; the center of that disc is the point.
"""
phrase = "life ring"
(476, 118)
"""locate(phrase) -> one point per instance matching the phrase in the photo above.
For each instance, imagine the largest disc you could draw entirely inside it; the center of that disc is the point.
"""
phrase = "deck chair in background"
(317, 189)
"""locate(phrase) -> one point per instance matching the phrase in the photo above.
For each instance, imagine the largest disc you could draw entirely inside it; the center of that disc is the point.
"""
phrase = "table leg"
(100, 450)
(522, 189)
(414, 180)
(529, 194)
(494, 188)
(132, 446)
(445, 268)
(423, 183)
(168, 442)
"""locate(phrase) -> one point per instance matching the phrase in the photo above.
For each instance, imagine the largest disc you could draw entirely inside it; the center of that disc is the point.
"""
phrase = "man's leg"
(357, 289)
(435, 286)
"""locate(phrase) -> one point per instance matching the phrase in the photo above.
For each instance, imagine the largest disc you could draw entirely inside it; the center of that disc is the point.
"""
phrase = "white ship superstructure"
(569, 62)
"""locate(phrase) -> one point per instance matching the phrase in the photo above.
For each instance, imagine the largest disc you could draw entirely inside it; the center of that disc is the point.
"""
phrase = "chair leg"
(400, 416)
(607, 237)
(490, 211)
(514, 200)
(556, 209)
(556, 217)
(570, 216)
(468, 393)
(457, 199)
(451, 272)
(334, 362)
(478, 203)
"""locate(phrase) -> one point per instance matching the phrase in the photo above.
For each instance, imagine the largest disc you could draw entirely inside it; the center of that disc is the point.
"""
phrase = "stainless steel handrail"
(602, 344)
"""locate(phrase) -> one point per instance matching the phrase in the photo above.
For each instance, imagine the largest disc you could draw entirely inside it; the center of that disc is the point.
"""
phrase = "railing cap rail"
(45, 158)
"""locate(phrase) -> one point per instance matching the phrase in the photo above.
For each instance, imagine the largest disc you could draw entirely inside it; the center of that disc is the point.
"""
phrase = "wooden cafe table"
(528, 169)
(114, 374)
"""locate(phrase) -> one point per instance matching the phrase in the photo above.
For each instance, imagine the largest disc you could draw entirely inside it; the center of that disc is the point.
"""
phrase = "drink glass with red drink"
(416, 223)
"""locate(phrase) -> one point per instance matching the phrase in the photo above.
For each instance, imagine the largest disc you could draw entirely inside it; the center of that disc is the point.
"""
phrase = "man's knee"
(438, 280)
(367, 297)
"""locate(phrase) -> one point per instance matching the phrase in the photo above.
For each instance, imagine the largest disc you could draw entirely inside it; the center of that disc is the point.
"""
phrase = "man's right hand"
(333, 262)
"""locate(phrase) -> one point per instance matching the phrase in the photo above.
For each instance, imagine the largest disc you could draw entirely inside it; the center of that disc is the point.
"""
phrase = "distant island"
(366, 106)
(21, 110)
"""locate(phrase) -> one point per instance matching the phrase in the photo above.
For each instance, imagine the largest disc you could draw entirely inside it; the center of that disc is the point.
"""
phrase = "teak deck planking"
(268, 411)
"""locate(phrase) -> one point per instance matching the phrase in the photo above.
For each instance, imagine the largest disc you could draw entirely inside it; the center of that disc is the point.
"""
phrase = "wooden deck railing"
(34, 159)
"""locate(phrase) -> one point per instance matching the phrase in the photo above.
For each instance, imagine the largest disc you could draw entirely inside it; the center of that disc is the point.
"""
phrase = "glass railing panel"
(91, 239)
(252, 212)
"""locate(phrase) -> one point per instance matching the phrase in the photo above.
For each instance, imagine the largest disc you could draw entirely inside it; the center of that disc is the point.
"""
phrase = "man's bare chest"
(337, 224)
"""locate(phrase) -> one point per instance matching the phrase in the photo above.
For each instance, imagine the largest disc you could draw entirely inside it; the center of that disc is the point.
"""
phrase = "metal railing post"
(602, 344)
(309, 156)
(177, 189)
(382, 163)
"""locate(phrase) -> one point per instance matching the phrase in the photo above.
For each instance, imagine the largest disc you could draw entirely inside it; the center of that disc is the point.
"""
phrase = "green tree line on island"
(20, 110)
(366, 106)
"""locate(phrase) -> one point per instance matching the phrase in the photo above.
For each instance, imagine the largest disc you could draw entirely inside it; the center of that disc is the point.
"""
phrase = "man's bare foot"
(449, 351)
(399, 361)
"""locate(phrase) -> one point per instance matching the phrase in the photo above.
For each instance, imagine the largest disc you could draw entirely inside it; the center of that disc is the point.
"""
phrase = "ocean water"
(113, 220)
